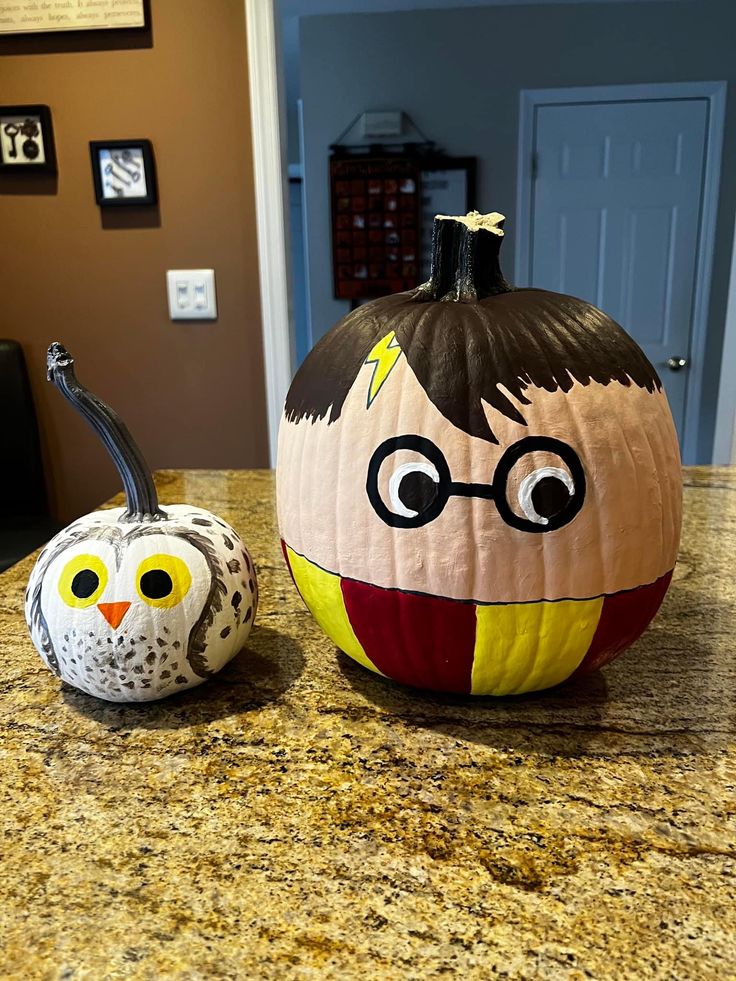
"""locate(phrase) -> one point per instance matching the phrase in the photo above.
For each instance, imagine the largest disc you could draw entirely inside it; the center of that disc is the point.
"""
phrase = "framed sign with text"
(45, 16)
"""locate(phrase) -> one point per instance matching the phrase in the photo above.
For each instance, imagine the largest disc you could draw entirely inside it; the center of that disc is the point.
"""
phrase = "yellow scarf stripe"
(321, 592)
(529, 646)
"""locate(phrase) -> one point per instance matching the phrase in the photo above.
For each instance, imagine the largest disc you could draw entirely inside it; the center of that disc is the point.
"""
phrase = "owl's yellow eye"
(163, 580)
(83, 581)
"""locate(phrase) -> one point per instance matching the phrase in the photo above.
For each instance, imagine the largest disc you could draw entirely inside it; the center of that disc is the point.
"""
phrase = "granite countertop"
(300, 817)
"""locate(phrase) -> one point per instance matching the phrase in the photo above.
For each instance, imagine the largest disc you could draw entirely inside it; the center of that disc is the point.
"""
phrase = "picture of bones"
(122, 172)
(21, 141)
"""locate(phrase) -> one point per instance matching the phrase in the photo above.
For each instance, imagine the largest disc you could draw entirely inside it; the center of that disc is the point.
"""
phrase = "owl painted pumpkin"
(479, 487)
(137, 603)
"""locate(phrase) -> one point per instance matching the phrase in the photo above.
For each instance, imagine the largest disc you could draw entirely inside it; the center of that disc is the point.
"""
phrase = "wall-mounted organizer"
(26, 140)
(375, 207)
(384, 199)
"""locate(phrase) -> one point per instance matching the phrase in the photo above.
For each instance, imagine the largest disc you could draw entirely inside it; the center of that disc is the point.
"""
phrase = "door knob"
(676, 364)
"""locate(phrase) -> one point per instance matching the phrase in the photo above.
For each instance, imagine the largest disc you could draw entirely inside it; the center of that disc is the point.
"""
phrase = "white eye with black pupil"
(545, 493)
(412, 488)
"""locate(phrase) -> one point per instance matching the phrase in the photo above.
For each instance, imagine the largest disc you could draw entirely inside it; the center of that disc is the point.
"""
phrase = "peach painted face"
(582, 501)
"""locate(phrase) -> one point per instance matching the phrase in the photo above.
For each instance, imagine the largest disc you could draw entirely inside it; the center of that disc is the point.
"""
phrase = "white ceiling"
(304, 8)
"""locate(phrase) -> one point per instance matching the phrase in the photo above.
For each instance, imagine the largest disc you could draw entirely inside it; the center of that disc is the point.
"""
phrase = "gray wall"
(289, 30)
(459, 72)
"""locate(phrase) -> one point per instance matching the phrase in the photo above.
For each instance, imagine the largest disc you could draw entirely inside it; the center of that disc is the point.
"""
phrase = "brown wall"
(192, 394)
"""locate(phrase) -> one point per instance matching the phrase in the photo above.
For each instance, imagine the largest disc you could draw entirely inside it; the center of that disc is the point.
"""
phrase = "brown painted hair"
(465, 334)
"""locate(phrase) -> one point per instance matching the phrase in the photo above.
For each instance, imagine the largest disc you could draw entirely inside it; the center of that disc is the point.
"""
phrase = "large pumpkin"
(137, 603)
(478, 486)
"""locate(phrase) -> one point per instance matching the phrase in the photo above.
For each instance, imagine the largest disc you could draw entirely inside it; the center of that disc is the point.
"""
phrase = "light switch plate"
(192, 294)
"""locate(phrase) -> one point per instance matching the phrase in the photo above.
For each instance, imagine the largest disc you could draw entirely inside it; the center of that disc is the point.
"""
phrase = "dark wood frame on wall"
(76, 32)
(47, 133)
(149, 166)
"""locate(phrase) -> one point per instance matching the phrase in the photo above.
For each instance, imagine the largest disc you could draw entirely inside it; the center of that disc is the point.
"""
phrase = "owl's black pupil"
(156, 584)
(550, 496)
(417, 491)
(85, 583)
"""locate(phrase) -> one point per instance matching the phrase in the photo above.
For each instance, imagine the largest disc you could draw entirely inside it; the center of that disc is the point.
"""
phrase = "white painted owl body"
(136, 611)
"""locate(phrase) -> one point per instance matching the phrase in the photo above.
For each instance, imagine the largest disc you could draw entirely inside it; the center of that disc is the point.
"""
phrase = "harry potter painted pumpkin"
(137, 603)
(479, 486)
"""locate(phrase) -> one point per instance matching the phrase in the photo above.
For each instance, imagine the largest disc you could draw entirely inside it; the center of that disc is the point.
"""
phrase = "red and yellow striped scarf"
(485, 649)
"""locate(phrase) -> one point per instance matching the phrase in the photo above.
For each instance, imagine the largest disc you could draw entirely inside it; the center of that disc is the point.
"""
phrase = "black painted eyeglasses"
(417, 491)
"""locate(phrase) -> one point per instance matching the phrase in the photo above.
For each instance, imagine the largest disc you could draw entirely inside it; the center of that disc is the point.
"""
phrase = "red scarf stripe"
(624, 618)
(424, 641)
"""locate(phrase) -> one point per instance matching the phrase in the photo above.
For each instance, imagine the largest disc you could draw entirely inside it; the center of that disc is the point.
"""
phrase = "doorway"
(618, 192)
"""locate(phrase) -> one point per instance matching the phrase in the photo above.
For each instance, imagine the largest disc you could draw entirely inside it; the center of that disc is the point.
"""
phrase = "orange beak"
(113, 612)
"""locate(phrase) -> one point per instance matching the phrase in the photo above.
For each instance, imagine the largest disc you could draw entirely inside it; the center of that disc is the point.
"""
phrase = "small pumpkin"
(137, 603)
(478, 486)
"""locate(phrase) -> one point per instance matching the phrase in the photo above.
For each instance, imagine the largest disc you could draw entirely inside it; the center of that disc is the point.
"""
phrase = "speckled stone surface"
(298, 817)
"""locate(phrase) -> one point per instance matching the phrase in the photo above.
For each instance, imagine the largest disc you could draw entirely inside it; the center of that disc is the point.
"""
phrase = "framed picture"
(123, 172)
(26, 140)
(30, 17)
(447, 188)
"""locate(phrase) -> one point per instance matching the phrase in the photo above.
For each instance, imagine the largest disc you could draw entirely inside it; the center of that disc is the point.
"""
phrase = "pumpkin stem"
(465, 263)
(140, 491)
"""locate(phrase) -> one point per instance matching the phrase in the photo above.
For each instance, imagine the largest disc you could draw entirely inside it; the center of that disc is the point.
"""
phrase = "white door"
(617, 203)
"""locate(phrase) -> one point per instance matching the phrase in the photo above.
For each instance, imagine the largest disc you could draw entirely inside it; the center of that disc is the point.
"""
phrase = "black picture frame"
(125, 159)
(13, 156)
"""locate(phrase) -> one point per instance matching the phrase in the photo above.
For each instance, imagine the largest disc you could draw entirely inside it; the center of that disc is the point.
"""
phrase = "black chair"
(25, 521)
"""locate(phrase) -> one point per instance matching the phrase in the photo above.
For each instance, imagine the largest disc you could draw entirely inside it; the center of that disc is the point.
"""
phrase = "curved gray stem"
(140, 491)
